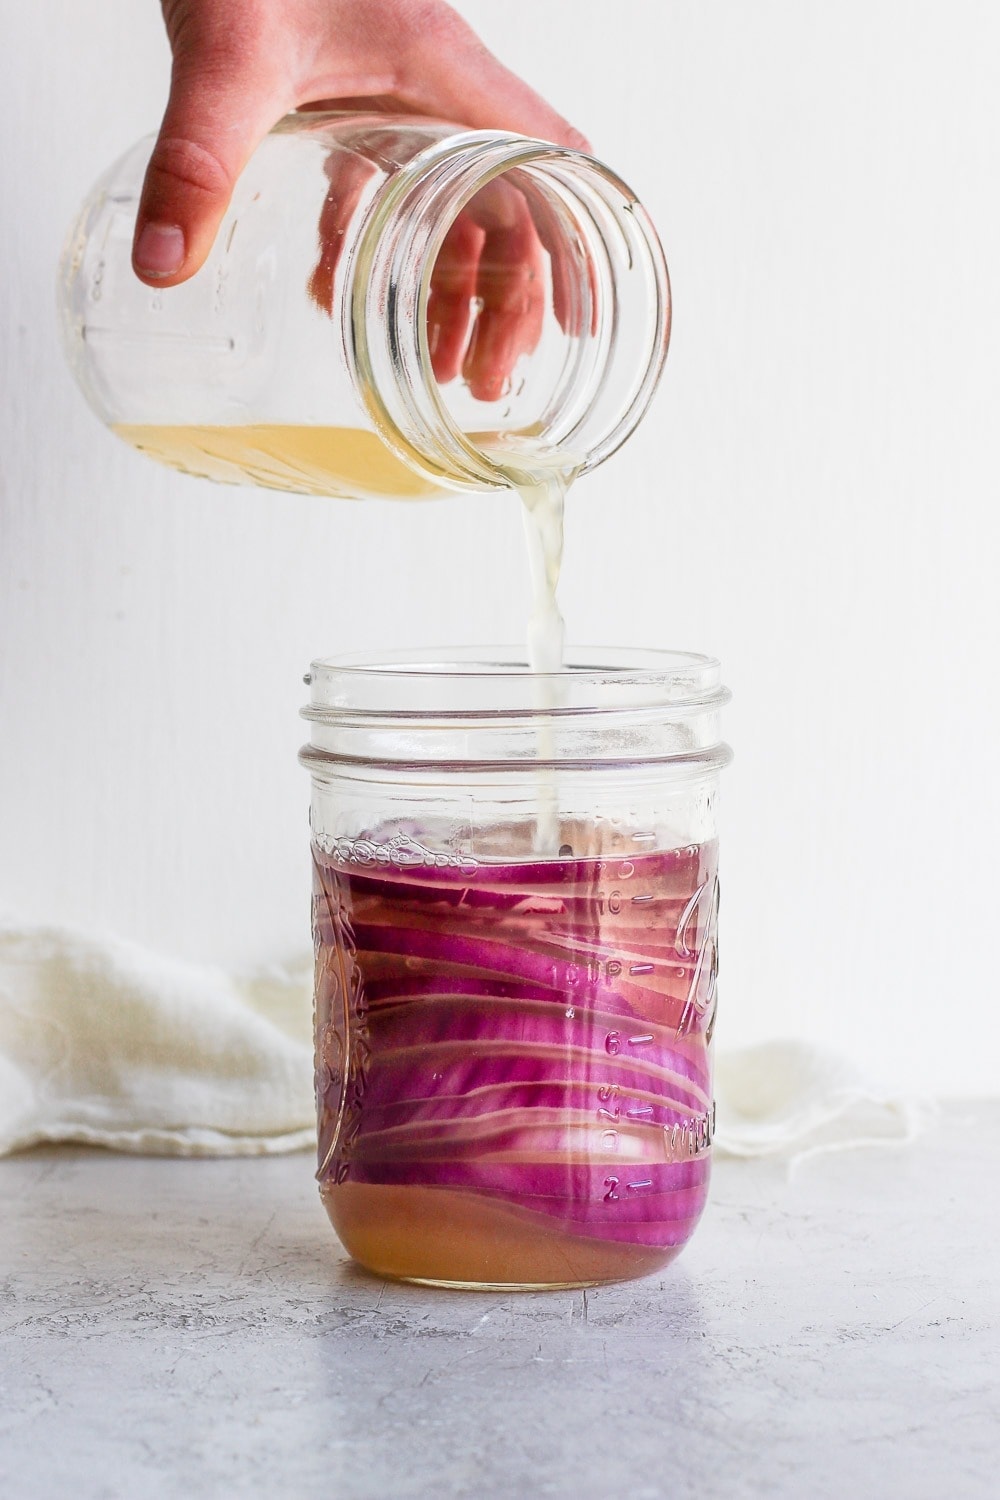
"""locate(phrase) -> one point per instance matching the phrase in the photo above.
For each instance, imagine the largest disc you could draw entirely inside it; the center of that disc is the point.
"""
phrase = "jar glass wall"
(332, 342)
(515, 919)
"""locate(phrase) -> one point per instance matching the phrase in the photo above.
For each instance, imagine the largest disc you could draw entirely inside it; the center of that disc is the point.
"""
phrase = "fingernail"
(159, 250)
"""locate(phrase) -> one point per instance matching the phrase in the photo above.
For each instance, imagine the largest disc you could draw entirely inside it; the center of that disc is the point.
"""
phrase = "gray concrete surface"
(187, 1329)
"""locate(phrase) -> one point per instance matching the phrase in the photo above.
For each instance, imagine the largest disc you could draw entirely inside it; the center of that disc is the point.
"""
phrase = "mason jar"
(515, 920)
(392, 307)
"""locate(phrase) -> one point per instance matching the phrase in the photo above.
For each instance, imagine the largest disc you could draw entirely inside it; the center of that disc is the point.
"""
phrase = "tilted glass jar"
(515, 907)
(302, 355)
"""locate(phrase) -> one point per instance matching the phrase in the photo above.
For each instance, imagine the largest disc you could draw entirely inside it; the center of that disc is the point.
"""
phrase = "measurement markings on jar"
(641, 968)
(612, 902)
(641, 900)
(611, 1184)
(644, 838)
(609, 1110)
(641, 1113)
(609, 1113)
(640, 1041)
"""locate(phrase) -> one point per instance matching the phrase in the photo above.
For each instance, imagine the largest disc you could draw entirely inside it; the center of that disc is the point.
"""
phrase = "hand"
(240, 65)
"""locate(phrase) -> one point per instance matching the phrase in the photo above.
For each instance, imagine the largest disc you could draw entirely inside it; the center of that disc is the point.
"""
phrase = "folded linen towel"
(105, 1043)
(794, 1098)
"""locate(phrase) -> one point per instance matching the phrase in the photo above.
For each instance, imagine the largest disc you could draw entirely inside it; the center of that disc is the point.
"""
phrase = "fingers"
(220, 108)
(348, 175)
(574, 283)
(511, 288)
(450, 303)
(495, 253)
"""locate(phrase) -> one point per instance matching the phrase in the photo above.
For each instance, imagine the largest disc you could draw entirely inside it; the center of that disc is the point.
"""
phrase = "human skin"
(240, 65)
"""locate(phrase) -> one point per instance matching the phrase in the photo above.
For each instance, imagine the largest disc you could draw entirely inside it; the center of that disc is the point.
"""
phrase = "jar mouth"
(484, 682)
(590, 387)
(480, 711)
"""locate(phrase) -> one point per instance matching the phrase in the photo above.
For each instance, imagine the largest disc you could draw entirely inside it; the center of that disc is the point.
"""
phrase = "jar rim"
(511, 661)
(489, 681)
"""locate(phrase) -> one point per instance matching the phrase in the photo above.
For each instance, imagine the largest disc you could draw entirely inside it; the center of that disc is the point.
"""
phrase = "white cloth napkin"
(796, 1099)
(105, 1043)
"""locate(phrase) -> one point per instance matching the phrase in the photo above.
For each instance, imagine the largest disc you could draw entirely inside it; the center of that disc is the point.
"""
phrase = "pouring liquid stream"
(542, 493)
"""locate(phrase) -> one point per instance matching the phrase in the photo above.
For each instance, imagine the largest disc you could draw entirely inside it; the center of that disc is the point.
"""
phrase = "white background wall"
(813, 498)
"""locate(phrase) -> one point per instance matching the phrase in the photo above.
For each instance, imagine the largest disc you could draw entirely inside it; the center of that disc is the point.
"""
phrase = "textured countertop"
(191, 1328)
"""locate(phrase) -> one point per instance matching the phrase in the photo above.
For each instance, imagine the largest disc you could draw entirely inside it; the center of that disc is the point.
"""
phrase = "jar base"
(500, 1286)
(462, 1242)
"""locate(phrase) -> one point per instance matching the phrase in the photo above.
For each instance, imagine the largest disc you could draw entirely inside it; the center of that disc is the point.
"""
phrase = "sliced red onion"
(528, 1032)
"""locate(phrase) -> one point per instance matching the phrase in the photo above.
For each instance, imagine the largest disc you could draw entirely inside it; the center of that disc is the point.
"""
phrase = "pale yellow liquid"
(543, 495)
(344, 462)
(452, 1238)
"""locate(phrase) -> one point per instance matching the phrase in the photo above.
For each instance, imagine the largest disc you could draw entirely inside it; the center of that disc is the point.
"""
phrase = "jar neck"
(607, 323)
(483, 711)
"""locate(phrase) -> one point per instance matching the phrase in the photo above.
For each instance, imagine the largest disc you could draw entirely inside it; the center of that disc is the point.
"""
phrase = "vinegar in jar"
(344, 462)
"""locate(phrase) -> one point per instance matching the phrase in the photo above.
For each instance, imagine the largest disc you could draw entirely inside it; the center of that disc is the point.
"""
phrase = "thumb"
(217, 114)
